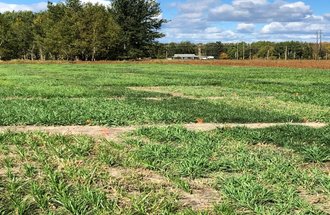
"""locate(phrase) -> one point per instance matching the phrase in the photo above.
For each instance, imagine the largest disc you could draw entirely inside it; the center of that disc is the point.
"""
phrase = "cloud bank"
(39, 6)
(247, 20)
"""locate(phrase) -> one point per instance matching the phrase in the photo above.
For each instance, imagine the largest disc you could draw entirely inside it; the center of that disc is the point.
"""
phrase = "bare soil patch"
(213, 126)
(325, 167)
(320, 201)
(319, 64)
(154, 98)
(202, 196)
(119, 172)
(114, 133)
(93, 131)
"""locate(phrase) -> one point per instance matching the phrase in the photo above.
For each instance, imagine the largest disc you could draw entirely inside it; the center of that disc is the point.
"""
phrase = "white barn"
(185, 56)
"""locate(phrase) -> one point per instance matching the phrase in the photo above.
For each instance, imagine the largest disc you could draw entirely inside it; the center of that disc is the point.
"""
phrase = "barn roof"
(185, 55)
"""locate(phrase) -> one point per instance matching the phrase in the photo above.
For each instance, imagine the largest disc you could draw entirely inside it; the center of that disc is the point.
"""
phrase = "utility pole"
(317, 46)
(320, 51)
(200, 51)
(286, 52)
(268, 54)
(237, 56)
(243, 51)
(250, 51)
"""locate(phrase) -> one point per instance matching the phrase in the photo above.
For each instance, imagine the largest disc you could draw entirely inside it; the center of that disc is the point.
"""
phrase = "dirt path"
(113, 133)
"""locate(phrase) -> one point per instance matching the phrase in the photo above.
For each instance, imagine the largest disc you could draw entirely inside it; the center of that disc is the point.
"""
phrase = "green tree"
(99, 33)
(4, 29)
(140, 23)
(213, 49)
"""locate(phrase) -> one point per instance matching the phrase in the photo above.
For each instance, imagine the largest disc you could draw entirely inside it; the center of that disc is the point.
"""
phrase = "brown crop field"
(320, 64)
(317, 64)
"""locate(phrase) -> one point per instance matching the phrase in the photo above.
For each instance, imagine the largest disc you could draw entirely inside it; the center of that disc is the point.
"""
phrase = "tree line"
(243, 51)
(73, 30)
(129, 29)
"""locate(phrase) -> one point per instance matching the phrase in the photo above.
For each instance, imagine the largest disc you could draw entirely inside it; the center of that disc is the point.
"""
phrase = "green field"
(164, 170)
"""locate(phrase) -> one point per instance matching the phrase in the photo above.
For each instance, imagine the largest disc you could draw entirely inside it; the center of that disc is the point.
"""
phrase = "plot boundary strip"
(115, 132)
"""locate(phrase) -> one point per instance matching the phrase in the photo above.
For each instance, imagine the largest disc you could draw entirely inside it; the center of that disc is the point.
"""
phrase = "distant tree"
(265, 49)
(223, 56)
(213, 49)
(74, 30)
(99, 33)
(4, 28)
(326, 47)
(140, 22)
(16, 35)
(231, 50)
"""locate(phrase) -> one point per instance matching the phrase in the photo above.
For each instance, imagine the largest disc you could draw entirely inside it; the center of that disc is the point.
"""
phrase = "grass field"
(157, 169)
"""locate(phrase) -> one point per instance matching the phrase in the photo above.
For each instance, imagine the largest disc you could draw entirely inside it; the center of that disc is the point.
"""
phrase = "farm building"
(207, 58)
(185, 56)
(192, 57)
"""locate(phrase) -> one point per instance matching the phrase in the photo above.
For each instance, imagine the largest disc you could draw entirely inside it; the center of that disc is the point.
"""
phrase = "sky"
(228, 20)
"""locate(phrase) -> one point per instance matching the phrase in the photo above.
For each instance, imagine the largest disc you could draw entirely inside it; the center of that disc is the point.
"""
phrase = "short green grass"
(76, 94)
(165, 170)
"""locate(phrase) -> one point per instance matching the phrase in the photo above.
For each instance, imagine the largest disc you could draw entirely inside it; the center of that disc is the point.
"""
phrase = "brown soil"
(213, 126)
(114, 133)
(320, 201)
(117, 172)
(93, 131)
(319, 64)
(154, 98)
(325, 167)
(202, 196)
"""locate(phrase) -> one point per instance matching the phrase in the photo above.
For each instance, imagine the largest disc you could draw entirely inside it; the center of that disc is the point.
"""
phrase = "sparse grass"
(77, 175)
(262, 179)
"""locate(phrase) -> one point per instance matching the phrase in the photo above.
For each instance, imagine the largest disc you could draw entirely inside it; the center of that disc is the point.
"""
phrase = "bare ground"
(202, 196)
(319, 64)
(325, 167)
(320, 201)
(114, 133)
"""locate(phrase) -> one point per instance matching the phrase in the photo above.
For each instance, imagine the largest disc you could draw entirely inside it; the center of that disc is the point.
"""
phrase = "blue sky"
(229, 20)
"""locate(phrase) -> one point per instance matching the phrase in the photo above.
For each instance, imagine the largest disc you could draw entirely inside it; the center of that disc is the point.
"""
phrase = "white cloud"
(245, 27)
(247, 20)
(40, 6)
(245, 4)
(22, 7)
(260, 11)
(293, 28)
(327, 16)
(102, 2)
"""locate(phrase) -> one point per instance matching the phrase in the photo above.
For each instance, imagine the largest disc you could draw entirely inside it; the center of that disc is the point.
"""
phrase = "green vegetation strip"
(108, 95)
